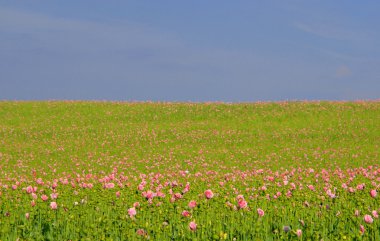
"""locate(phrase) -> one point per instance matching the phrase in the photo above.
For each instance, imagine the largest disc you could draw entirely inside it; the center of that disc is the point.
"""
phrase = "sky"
(170, 50)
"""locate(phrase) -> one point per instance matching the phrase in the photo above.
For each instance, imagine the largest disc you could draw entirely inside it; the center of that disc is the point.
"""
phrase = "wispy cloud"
(52, 31)
(340, 56)
(343, 71)
(330, 31)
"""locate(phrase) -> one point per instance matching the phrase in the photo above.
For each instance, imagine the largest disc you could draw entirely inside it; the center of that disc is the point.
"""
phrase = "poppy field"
(72, 170)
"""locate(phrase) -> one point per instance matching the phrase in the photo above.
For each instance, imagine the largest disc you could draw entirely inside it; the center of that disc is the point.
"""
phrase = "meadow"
(189, 171)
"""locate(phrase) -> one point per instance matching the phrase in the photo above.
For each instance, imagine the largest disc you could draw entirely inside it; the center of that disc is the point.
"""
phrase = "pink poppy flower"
(118, 194)
(29, 189)
(140, 187)
(132, 212)
(362, 229)
(373, 193)
(177, 195)
(27, 215)
(192, 204)
(160, 194)
(360, 186)
(260, 212)
(240, 197)
(299, 233)
(54, 195)
(311, 187)
(368, 218)
(53, 205)
(375, 214)
(109, 185)
(149, 194)
(34, 196)
(187, 188)
(186, 213)
(242, 204)
(44, 197)
(192, 226)
(209, 194)
(141, 232)
(39, 181)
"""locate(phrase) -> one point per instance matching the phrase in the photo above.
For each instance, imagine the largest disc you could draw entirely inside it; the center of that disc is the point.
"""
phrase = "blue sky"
(190, 50)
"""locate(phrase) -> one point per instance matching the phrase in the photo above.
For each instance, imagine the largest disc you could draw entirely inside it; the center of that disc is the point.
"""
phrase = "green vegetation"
(312, 167)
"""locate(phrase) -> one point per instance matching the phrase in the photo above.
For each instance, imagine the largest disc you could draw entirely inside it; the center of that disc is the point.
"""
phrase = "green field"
(310, 166)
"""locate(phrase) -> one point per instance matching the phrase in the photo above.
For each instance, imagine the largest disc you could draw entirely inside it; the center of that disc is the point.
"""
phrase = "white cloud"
(80, 35)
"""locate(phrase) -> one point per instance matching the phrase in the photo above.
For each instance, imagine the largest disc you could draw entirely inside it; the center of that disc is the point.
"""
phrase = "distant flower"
(33, 203)
(186, 213)
(192, 204)
(209, 194)
(53, 205)
(192, 226)
(289, 193)
(136, 204)
(187, 188)
(109, 185)
(240, 197)
(44, 197)
(375, 214)
(260, 212)
(149, 194)
(132, 212)
(140, 187)
(311, 187)
(362, 229)
(177, 195)
(299, 232)
(39, 181)
(118, 194)
(34, 196)
(242, 204)
(373, 193)
(160, 194)
(368, 218)
(27, 215)
(141, 232)
(360, 186)
(29, 189)
(54, 195)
